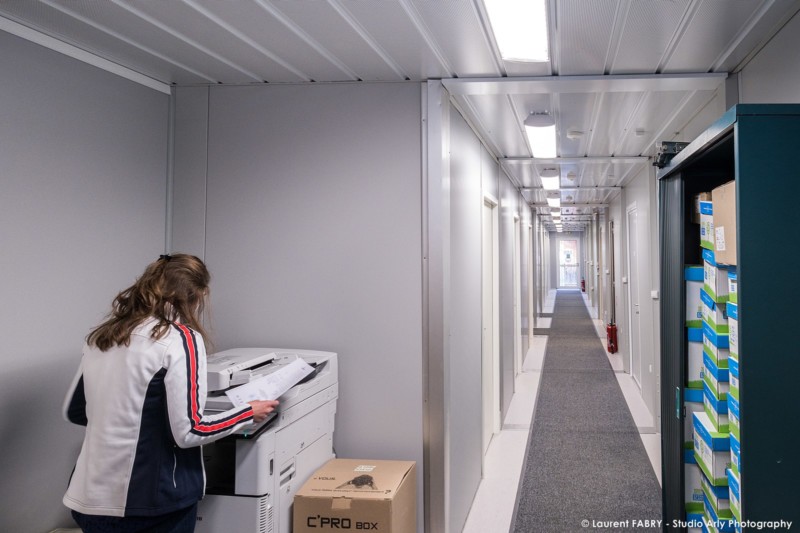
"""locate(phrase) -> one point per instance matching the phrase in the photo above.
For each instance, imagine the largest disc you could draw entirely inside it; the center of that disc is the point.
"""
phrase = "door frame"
(634, 348)
(490, 407)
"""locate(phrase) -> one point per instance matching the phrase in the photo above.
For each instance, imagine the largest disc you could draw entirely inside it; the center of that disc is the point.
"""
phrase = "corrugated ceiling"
(602, 126)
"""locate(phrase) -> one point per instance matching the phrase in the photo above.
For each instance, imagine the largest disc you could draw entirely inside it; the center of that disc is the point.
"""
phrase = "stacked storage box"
(694, 324)
(712, 442)
(693, 394)
(724, 221)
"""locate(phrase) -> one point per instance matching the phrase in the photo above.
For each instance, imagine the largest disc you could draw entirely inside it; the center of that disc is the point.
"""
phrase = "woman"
(140, 391)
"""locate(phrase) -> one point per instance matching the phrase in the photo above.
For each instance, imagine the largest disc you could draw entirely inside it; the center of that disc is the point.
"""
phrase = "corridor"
(593, 448)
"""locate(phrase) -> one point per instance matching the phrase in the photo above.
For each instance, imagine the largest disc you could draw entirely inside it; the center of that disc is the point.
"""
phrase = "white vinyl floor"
(493, 506)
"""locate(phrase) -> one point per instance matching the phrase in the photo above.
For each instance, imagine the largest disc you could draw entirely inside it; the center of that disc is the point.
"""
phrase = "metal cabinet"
(758, 145)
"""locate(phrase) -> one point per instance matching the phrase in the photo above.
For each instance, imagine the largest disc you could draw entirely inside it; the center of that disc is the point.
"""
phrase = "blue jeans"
(180, 521)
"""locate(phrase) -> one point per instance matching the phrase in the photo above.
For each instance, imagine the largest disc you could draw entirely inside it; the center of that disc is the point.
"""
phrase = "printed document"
(271, 386)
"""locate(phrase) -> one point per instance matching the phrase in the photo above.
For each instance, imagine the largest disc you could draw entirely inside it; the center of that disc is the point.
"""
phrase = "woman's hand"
(261, 408)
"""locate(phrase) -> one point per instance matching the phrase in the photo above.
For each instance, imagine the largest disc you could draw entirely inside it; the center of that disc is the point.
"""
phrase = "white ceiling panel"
(497, 119)
(398, 33)
(613, 114)
(456, 28)
(70, 26)
(128, 20)
(274, 39)
(713, 28)
(584, 32)
(341, 34)
(649, 30)
(575, 115)
(296, 41)
(657, 109)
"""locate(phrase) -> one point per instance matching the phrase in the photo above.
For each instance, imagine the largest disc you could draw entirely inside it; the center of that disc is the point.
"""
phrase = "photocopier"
(253, 475)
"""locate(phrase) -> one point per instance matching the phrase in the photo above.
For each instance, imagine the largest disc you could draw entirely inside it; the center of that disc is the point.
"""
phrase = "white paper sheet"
(271, 386)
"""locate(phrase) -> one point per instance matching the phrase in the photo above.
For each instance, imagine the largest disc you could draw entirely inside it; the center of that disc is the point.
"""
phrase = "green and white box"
(717, 379)
(733, 287)
(693, 275)
(693, 403)
(693, 485)
(734, 487)
(736, 454)
(718, 520)
(694, 365)
(711, 450)
(733, 376)
(719, 497)
(733, 328)
(714, 314)
(716, 409)
(715, 278)
(733, 416)
(707, 225)
(716, 345)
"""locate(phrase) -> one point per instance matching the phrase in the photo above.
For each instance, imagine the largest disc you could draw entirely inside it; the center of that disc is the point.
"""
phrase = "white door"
(634, 316)
(568, 264)
(490, 372)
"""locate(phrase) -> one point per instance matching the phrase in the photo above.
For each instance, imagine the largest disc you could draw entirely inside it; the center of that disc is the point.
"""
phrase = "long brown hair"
(172, 288)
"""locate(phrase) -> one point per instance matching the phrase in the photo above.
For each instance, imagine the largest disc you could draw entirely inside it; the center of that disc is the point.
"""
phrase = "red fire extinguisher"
(611, 327)
(583, 285)
(611, 333)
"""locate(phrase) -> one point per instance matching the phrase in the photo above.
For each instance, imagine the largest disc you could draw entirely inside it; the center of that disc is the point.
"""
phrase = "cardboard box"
(694, 305)
(716, 345)
(711, 450)
(716, 409)
(692, 403)
(736, 455)
(717, 379)
(358, 494)
(719, 497)
(693, 487)
(707, 225)
(734, 488)
(724, 223)
(733, 287)
(733, 328)
(733, 416)
(716, 315)
(694, 366)
(695, 334)
(715, 278)
(733, 376)
(719, 520)
(702, 197)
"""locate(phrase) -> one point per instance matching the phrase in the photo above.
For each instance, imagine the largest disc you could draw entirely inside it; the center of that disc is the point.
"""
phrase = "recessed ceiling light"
(520, 29)
(574, 134)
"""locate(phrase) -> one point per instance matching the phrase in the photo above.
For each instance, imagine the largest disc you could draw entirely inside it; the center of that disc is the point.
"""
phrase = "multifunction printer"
(253, 474)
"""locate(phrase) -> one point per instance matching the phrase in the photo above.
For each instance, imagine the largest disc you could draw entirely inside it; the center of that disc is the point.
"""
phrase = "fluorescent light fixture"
(550, 178)
(520, 29)
(554, 200)
(541, 131)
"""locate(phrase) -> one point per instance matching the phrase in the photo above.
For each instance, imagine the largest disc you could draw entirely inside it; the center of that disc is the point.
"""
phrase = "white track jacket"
(142, 406)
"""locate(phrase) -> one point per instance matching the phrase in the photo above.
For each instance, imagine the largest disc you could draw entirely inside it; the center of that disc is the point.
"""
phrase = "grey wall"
(773, 76)
(311, 227)
(510, 205)
(467, 167)
(84, 159)
(475, 173)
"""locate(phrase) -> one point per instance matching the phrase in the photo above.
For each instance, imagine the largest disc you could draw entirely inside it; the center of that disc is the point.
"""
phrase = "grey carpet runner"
(586, 468)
